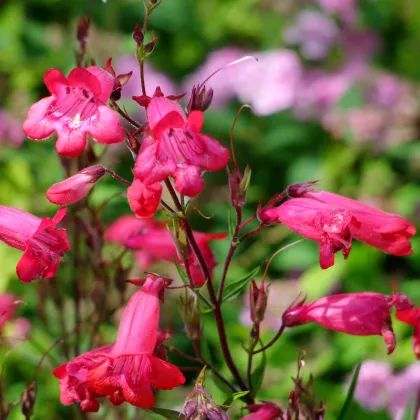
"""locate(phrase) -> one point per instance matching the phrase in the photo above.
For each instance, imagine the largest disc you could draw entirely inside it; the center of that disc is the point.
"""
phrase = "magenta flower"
(76, 107)
(126, 370)
(75, 187)
(334, 220)
(144, 199)
(151, 242)
(411, 316)
(42, 243)
(361, 314)
(175, 147)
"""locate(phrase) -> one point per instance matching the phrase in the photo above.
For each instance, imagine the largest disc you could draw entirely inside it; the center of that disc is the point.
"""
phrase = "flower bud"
(76, 187)
(200, 406)
(190, 314)
(200, 99)
(238, 186)
(119, 81)
(82, 28)
(138, 35)
(180, 239)
(150, 46)
(28, 400)
(258, 297)
(299, 190)
(144, 199)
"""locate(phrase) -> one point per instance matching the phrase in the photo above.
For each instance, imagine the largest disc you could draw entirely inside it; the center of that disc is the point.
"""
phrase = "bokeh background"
(334, 97)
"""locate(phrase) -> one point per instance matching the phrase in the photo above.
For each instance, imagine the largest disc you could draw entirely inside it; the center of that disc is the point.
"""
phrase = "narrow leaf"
(181, 272)
(235, 396)
(349, 398)
(236, 288)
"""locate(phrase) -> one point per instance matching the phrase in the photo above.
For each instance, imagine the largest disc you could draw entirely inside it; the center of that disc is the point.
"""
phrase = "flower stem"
(255, 338)
(272, 341)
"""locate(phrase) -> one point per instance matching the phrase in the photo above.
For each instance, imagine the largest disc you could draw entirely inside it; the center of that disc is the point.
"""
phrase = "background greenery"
(38, 34)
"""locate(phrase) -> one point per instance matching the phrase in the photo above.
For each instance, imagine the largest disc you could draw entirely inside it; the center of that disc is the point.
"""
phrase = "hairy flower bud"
(28, 400)
(76, 187)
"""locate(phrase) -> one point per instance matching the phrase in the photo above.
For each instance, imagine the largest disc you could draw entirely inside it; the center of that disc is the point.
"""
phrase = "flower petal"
(30, 267)
(55, 81)
(70, 143)
(106, 81)
(165, 375)
(188, 181)
(80, 77)
(106, 128)
(38, 125)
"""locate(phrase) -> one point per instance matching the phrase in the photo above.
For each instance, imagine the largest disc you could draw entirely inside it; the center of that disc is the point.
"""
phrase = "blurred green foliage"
(38, 34)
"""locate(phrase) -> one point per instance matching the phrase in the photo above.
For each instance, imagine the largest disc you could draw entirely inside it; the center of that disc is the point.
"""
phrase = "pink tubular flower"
(334, 220)
(76, 107)
(411, 316)
(175, 146)
(266, 411)
(144, 199)
(76, 187)
(42, 243)
(360, 314)
(126, 370)
(151, 242)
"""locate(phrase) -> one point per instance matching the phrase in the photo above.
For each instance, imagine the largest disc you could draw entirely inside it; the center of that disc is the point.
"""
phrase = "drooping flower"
(361, 314)
(43, 244)
(126, 370)
(266, 411)
(144, 199)
(334, 220)
(76, 107)
(75, 187)
(175, 146)
(151, 242)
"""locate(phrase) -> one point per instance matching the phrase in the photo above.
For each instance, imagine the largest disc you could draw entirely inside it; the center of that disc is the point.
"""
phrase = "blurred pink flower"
(153, 78)
(223, 82)
(270, 84)
(314, 32)
(17, 329)
(11, 133)
(371, 390)
(387, 90)
(345, 9)
(379, 388)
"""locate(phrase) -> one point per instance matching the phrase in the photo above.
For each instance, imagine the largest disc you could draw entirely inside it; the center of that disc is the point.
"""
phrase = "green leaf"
(235, 396)
(349, 398)
(168, 414)
(257, 375)
(181, 272)
(231, 222)
(236, 288)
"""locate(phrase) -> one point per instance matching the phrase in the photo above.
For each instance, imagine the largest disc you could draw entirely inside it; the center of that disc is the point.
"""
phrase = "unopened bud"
(190, 314)
(150, 46)
(299, 190)
(138, 35)
(76, 187)
(28, 400)
(246, 179)
(200, 99)
(238, 186)
(258, 297)
(82, 28)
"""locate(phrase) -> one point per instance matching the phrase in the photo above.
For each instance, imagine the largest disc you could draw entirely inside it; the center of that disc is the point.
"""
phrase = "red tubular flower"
(75, 187)
(333, 221)
(266, 411)
(42, 243)
(175, 147)
(151, 242)
(144, 199)
(126, 370)
(361, 314)
(76, 107)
